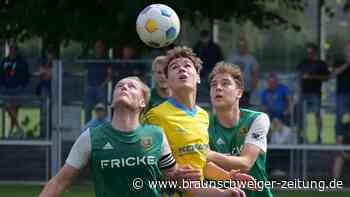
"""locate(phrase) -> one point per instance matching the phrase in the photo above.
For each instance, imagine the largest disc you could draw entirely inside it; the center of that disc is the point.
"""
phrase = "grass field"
(87, 191)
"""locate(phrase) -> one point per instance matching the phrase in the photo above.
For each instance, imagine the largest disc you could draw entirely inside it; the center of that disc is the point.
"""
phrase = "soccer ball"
(158, 25)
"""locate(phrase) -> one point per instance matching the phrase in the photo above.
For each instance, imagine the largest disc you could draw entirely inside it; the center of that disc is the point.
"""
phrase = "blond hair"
(178, 52)
(158, 60)
(233, 70)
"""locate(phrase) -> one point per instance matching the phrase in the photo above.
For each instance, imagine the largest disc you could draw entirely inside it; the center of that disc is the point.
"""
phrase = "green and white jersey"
(252, 128)
(117, 158)
(155, 100)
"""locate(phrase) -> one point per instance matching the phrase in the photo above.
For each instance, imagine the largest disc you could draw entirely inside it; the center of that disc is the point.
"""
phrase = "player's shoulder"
(152, 128)
(101, 127)
(248, 113)
(159, 109)
(202, 112)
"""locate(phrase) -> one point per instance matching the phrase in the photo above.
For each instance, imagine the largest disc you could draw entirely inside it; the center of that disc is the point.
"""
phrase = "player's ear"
(239, 93)
(198, 79)
(142, 103)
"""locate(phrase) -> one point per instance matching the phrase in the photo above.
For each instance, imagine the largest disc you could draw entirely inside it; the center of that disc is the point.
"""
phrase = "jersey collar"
(190, 112)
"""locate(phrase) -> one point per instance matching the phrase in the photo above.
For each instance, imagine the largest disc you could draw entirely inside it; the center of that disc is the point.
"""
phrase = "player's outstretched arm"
(59, 183)
(188, 173)
(215, 192)
(215, 172)
(244, 162)
(76, 160)
(255, 144)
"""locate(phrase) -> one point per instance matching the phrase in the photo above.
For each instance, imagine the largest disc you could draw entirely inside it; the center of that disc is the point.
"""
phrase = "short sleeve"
(80, 153)
(257, 134)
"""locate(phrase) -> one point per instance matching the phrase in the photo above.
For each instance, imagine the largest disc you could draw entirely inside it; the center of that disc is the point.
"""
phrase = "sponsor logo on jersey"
(107, 146)
(128, 162)
(146, 142)
(220, 141)
(193, 148)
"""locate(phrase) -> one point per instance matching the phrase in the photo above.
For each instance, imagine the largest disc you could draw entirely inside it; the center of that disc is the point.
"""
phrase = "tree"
(58, 21)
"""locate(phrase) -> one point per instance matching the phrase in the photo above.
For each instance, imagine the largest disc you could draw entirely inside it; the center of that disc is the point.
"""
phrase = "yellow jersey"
(186, 130)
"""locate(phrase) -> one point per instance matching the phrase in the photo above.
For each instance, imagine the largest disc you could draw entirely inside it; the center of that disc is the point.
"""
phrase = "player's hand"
(235, 192)
(244, 178)
(188, 173)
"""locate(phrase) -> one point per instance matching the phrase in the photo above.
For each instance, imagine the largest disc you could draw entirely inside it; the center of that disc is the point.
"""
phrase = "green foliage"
(85, 21)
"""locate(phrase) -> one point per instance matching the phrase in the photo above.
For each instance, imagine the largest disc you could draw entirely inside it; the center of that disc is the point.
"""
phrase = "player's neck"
(163, 92)
(186, 99)
(125, 119)
(228, 117)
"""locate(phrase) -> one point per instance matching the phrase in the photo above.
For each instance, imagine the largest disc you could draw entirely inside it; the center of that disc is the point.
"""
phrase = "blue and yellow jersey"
(186, 130)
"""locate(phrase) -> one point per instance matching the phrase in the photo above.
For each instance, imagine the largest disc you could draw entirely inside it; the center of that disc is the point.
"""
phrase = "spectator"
(342, 74)
(208, 51)
(281, 133)
(312, 72)
(249, 67)
(161, 91)
(98, 75)
(100, 117)
(275, 100)
(128, 66)
(342, 138)
(14, 76)
(45, 73)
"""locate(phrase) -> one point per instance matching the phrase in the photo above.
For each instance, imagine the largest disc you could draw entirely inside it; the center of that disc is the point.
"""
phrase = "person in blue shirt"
(100, 117)
(99, 73)
(275, 100)
(14, 77)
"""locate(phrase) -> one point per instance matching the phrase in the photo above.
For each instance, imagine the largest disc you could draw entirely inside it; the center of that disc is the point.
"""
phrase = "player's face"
(182, 74)
(224, 92)
(159, 76)
(128, 92)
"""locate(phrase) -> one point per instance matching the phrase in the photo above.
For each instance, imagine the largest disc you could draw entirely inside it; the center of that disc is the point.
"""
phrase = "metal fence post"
(56, 117)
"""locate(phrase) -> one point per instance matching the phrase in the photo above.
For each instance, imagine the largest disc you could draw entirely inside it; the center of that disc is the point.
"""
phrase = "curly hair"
(186, 52)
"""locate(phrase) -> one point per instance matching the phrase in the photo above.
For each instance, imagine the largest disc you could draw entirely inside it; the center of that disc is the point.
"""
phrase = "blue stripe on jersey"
(183, 108)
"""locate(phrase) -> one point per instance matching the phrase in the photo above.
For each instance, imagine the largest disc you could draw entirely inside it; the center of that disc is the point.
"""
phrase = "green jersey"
(118, 158)
(252, 128)
(155, 99)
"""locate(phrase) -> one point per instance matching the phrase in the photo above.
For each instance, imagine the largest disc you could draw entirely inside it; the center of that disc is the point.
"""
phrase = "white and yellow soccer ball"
(158, 25)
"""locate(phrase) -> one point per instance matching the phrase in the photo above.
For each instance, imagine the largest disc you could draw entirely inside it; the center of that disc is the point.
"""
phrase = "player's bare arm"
(59, 183)
(244, 162)
(187, 173)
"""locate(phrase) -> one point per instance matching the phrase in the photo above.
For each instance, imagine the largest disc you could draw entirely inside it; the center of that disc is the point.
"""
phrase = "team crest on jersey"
(242, 131)
(146, 142)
